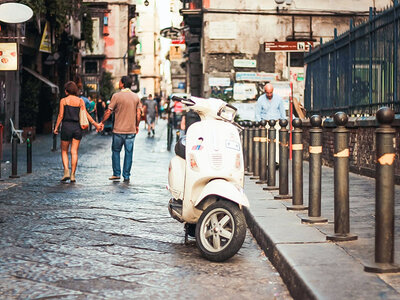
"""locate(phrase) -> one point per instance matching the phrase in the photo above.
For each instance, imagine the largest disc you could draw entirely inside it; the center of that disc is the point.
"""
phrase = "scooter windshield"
(227, 113)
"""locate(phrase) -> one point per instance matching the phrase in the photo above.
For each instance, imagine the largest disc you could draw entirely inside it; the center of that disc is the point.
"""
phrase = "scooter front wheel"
(220, 231)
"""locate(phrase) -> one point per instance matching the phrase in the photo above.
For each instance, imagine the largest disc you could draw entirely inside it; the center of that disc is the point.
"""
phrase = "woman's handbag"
(83, 120)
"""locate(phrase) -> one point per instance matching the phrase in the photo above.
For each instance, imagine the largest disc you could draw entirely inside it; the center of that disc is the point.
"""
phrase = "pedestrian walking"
(100, 108)
(151, 114)
(127, 110)
(71, 132)
(269, 105)
(91, 109)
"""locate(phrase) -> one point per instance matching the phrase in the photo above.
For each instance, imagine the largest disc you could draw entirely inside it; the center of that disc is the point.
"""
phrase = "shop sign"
(8, 57)
(252, 76)
(244, 91)
(219, 81)
(222, 31)
(244, 63)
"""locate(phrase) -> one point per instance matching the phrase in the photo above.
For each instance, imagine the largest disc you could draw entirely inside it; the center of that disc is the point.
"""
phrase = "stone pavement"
(97, 239)
(311, 266)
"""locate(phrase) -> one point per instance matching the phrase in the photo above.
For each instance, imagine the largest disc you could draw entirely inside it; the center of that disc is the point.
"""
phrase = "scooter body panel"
(176, 177)
(213, 151)
(224, 189)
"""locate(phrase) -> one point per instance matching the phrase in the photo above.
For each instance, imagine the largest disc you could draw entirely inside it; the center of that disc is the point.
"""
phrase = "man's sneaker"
(126, 180)
(114, 178)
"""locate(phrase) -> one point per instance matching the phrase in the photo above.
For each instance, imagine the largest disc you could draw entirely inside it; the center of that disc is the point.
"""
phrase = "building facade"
(148, 48)
(113, 41)
(233, 49)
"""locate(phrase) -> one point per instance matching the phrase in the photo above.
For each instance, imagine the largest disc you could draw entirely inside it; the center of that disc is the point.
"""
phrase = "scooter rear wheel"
(220, 231)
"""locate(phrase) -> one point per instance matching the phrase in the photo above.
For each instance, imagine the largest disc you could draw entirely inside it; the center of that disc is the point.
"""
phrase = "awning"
(54, 88)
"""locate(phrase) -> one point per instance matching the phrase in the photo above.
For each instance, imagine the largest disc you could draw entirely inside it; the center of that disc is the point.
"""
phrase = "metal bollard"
(271, 181)
(283, 161)
(246, 126)
(29, 153)
(341, 181)
(384, 195)
(256, 152)
(314, 201)
(250, 148)
(297, 167)
(263, 153)
(14, 157)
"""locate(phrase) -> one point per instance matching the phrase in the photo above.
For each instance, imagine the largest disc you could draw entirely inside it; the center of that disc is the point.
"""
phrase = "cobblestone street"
(97, 239)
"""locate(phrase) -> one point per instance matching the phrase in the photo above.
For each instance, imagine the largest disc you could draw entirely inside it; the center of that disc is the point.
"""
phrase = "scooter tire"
(212, 245)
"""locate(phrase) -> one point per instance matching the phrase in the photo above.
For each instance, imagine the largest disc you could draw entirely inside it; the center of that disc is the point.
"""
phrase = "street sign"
(244, 63)
(253, 76)
(290, 46)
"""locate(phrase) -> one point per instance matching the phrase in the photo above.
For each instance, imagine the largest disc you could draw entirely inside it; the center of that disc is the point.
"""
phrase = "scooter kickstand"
(186, 235)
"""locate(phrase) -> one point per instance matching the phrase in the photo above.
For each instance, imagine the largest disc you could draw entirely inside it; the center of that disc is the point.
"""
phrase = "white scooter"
(206, 180)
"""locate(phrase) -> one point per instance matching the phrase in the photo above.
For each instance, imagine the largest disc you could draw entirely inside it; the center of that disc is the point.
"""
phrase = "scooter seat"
(180, 147)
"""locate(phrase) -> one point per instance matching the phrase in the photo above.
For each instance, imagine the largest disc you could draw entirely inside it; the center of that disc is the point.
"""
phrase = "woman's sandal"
(65, 178)
(73, 178)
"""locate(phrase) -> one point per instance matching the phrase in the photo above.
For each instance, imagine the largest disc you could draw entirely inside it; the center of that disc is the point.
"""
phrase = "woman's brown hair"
(71, 88)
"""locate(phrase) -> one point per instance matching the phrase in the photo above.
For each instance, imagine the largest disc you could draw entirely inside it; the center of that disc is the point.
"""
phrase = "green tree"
(106, 86)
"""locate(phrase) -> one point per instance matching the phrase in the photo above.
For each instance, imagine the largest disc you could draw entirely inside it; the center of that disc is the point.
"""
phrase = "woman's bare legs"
(65, 161)
(74, 157)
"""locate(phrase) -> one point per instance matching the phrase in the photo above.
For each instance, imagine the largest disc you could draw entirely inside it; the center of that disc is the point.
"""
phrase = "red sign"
(291, 46)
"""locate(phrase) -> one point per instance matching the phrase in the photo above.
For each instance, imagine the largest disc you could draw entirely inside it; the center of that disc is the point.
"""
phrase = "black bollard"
(297, 166)
(250, 148)
(256, 152)
(14, 157)
(283, 161)
(341, 181)
(384, 195)
(263, 153)
(271, 180)
(29, 153)
(246, 126)
(315, 150)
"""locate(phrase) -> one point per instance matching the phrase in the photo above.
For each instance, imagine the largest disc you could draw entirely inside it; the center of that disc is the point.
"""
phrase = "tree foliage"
(58, 13)
(106, 86)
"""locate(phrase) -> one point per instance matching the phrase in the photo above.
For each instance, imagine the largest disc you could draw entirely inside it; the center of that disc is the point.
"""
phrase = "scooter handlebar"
(188, 102)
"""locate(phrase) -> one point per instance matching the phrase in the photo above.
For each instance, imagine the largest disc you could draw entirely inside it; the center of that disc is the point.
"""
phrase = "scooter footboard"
(224, 189)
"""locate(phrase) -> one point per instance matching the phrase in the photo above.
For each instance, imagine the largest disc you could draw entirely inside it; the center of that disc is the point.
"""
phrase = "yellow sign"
(175, 52)
(8, 57)
(45, 44)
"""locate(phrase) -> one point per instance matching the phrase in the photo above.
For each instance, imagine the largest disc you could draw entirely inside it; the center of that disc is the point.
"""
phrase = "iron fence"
(358, 71)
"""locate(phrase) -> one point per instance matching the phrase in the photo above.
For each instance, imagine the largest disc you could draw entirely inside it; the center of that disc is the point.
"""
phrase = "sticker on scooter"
(199, 146)
(232, 145)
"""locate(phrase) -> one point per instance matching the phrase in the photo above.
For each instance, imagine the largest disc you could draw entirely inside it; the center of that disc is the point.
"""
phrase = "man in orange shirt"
(127, 110)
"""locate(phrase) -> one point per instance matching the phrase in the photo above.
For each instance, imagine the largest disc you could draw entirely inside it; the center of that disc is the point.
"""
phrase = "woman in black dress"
(71, 132)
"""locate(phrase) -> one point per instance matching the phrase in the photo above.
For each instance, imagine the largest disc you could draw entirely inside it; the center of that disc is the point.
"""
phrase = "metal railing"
(359, 71)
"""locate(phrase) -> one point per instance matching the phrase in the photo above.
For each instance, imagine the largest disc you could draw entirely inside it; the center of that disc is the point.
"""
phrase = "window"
(296, 59)
(91, 67)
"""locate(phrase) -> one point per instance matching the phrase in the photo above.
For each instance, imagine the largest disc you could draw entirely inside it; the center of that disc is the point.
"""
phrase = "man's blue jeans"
(119, 140)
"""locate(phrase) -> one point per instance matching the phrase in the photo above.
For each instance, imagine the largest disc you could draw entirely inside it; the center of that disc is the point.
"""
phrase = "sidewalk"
(311, 266)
